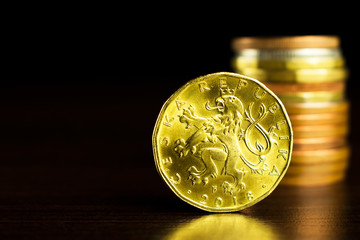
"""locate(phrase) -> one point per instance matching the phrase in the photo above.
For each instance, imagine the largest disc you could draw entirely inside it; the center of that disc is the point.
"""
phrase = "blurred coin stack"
(308, 74)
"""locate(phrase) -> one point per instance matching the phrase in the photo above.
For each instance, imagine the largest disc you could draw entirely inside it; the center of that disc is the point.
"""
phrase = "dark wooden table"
(76, 163)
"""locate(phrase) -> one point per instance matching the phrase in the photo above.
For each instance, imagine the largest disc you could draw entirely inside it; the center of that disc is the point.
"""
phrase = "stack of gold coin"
(308, 74)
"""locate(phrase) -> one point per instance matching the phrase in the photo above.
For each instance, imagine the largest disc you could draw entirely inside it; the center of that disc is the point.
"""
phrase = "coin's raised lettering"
(179, 104)
(177, 181)
(218, 201)
(282, 154)
(242, 83)
(284, 138)
(204, 198)
(278, 124)
(222, 82)
(203, 87)
(167, 121)
(224, 88)
(167, 161)
(274, 171)
(273, 107)
(164, 141)
(257, 94)
(249, 196)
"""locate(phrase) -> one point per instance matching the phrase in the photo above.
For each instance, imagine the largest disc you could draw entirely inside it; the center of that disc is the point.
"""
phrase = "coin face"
(222, 142)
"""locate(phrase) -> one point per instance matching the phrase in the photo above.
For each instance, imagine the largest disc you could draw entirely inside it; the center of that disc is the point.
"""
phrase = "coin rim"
(156, 153)
(312, 97)
(303, 75)
(315, 181)
(288, 54)
(279, 88)
(286, 42)
(241, 62)
(318, 107)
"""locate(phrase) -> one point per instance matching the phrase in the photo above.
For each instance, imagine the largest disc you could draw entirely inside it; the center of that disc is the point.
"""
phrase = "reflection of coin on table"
(228, 142)
(224, 226)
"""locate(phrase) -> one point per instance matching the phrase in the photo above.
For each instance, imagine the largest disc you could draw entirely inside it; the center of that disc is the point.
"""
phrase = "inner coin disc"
(222, 142)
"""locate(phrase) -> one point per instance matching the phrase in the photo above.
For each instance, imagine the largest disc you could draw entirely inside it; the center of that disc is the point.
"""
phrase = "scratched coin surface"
(222, 142)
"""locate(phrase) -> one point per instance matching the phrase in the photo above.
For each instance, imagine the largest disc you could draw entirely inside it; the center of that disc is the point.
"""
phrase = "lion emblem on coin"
(216, 141)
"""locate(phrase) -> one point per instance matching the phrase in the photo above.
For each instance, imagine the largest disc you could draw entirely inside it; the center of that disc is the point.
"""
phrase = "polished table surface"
(76, 163)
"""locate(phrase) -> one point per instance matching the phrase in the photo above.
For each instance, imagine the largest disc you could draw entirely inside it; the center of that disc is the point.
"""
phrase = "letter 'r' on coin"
(222, 142)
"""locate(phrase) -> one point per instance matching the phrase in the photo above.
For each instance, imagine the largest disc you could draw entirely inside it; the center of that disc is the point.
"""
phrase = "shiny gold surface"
(288, 54)
(279, 88)
(225, 227)
(318, 143)
(222, 142)
(319, 107)
(320, 155)
(318, 168)
(314, 179)
(312, 97)
(311, 131)
(297, 76)
(242, 62)
(286, 42)
(317, 119)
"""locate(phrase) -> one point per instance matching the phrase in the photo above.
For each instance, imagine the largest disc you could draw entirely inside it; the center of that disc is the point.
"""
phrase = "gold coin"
(320, 155)
(279, 88)
(303, 97)
(296, 76)
(241, 62)
(286, 42)
(222, 142)
(312, 131)
(288, 54)
(319, 107)
(318, 119)
(322, 168)
(313, 180)
(305, 144)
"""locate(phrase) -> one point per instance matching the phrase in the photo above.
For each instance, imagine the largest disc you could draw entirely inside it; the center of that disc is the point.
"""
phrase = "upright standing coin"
(222, 142)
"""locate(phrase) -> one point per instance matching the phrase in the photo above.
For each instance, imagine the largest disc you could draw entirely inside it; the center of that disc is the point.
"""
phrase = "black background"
(86, 85)
(135, 57)
(83, 45)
